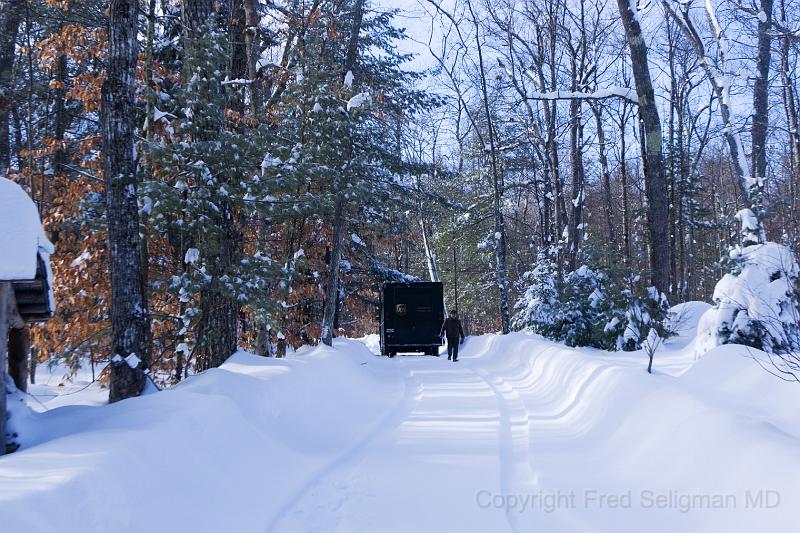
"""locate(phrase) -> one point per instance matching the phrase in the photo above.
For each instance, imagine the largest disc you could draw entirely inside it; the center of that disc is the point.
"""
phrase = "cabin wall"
(19, 349)
(5, 292)
(14, 349)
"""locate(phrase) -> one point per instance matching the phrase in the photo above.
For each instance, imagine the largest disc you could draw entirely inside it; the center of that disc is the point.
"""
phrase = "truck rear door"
(413, 315)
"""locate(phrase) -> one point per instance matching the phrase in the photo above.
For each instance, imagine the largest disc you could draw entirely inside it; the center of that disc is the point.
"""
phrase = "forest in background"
(274, 162)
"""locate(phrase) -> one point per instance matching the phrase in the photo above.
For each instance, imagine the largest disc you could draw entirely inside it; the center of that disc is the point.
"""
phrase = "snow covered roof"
(22, 237)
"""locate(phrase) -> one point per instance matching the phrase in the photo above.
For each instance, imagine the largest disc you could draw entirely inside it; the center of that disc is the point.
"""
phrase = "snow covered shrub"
(644, 315)
(585, 309)
(537, 308)
(591, 308)
(756, 303)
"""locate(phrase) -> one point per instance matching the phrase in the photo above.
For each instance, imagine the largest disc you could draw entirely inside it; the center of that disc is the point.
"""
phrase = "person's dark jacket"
(452, 329)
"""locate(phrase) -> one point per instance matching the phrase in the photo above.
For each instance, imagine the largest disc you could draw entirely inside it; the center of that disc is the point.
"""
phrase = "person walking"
(454, 332)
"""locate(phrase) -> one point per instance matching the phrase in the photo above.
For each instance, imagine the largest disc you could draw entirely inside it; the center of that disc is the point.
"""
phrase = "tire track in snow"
(515, 436)
(412, 391)
(516, 473)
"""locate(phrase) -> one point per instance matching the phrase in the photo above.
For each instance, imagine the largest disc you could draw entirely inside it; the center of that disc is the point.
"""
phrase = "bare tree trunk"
(10, 347)
(252, 43)
(337, 314)
(430, 258)
(623, 175)
(606, 177)
(655, 178)
(149, 89)
(497, 188)
(352, 44)
(561, 209)
(194, 14)
(761, 96)
(578, 60)
(29, 134)
(146, 163)
(34, 360)
(129, 323)
(10, 18)
(18, 141)
(218, 329)
(333, 278)
(576, 162)
(433, 269)
(237, 64)
(264, 341)
(61, 120)
(455, 280)
(683, 177)
(790, 99)
(672, 179)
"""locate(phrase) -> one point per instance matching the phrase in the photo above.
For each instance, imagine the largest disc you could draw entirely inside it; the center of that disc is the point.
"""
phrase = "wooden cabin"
(25, 287)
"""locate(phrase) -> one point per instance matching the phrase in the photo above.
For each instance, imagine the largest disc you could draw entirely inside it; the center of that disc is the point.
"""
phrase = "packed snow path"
(519, 435)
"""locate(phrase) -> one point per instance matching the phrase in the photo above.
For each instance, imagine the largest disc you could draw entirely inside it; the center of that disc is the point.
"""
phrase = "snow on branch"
(784, 31)
(238, 81)
(610, 92)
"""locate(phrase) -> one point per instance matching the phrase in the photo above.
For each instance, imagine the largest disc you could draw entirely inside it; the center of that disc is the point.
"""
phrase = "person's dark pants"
(452, 349)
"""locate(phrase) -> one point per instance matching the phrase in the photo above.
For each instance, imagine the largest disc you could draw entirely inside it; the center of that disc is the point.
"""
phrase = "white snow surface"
(625, 93)
(348, 79)
(21, 234)
(191, 256)
(359, 100)
(521, 434)
(356, 239)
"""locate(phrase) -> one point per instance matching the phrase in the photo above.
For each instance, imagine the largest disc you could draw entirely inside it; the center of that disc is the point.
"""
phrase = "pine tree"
(591, 308)
(215, 177)
(757, 302)
(538, 308)
(329, 144)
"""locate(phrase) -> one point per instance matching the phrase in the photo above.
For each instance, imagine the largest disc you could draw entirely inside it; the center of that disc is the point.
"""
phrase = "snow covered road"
(524, 435)
(520, 435)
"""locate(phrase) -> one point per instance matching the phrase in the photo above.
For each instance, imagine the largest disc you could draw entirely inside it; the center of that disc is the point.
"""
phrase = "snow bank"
(732, 379)
(21, 234)
(685, 318)
(218, 452)
(595, 424)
